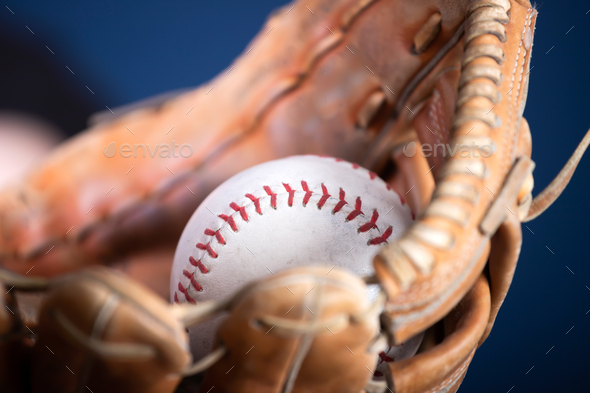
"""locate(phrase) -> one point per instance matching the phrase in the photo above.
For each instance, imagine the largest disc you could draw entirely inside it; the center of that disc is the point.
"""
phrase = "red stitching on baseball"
(308, 193)
(273, 197)
(273, 202)
(371, 224)
(291, 194)
(240, 209)
(184, 291)
(324, 198)
(341, 203)
(176, 298)
(256, 203)
(198, 264)
(207, 247)
(383, 238)
(210, 232)
(194, 283)
(384, 358)
(230, 221)
(357, 210)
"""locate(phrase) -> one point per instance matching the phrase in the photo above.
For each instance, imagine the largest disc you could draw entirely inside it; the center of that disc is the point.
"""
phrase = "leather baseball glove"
(367, 81)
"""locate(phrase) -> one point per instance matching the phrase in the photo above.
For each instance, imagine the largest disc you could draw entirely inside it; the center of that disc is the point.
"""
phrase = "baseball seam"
(271, 196)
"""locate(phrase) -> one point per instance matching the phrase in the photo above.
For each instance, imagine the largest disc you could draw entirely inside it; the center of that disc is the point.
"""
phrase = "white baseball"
(291, 212)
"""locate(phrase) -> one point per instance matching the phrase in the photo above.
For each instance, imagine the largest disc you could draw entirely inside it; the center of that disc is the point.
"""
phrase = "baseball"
(287, 213)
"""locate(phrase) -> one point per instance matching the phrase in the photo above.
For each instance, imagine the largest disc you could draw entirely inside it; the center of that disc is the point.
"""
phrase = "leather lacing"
(484, 17)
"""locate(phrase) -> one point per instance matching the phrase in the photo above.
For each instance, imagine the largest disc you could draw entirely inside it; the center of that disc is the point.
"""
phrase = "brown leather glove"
(99, 331)
(93, 330)
(350, 79)
(353, 79)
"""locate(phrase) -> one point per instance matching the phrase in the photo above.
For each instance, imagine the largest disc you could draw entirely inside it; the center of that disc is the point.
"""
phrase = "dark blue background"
(131, 50)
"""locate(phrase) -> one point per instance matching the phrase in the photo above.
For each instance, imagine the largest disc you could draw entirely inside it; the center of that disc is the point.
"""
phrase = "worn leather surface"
(105, 309)
(304, 361)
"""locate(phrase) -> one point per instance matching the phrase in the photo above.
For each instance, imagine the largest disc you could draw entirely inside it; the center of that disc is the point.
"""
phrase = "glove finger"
(100, 331)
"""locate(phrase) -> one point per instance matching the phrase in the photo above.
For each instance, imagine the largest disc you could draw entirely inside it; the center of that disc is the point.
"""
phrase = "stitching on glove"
(509, 148)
